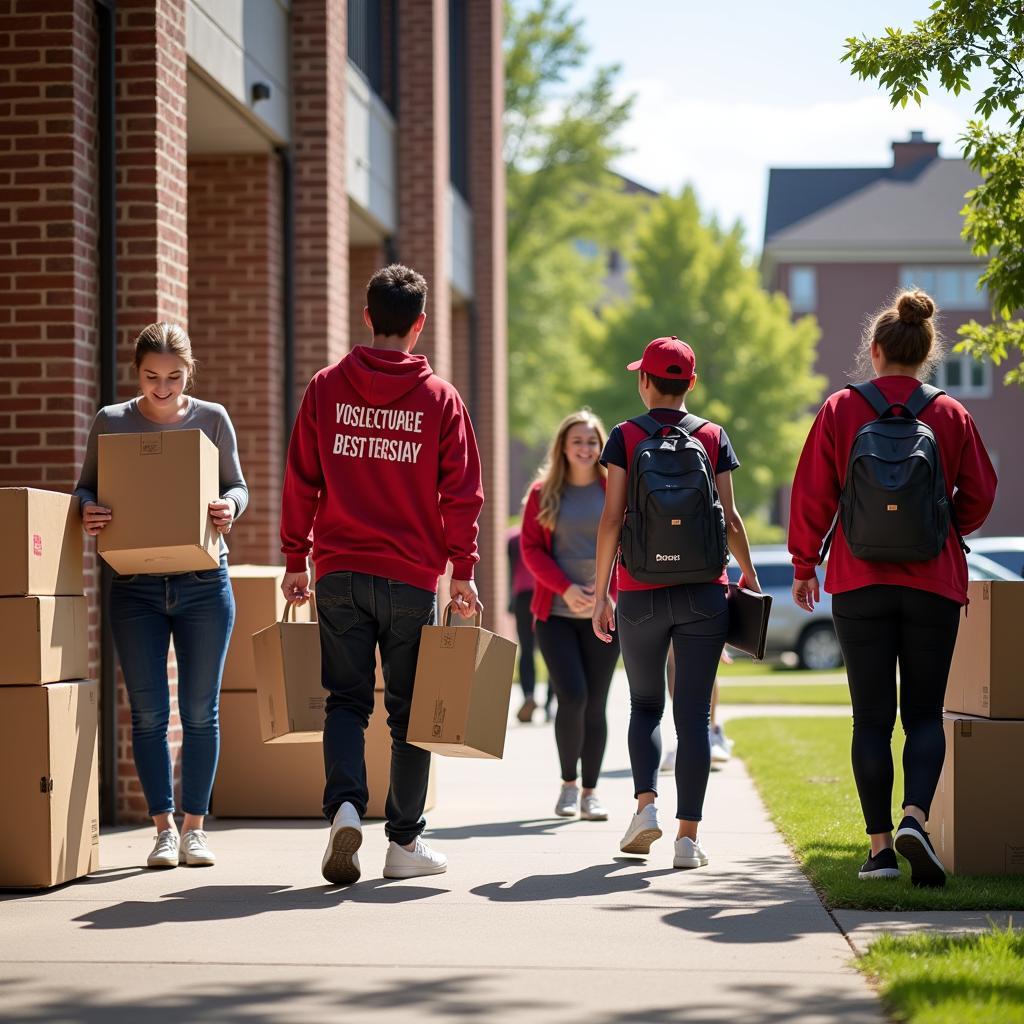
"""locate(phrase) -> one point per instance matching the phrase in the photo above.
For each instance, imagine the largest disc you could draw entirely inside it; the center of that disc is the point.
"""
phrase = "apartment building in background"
(241, 167)
(841, 241)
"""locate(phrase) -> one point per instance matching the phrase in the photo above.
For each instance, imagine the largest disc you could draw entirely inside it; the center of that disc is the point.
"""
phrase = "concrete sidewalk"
(537, 919)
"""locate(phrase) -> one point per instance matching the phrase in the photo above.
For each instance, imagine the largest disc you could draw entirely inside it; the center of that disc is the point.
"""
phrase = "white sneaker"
(719, 731)
(165, 852)
(642, 831)
(689, 854)
(720, 752)
(421, 860)
(340, 865)
(195, 850)
(591, 809)
(668, 762)
(568, 800)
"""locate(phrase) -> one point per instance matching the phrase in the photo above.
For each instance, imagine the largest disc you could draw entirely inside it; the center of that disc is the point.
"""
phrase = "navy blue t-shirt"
(614, 453)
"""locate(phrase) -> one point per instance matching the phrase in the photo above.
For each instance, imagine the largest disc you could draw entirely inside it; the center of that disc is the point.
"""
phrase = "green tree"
(754, 364)
(957, 39)
(564, 208)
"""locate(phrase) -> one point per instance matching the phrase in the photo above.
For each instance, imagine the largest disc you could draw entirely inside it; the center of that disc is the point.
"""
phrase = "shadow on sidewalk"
(596, 880)
(233, 902)
(503, 829)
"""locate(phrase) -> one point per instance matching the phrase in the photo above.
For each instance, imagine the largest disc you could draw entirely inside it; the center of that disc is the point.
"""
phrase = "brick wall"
(363, 261)
(234, 305)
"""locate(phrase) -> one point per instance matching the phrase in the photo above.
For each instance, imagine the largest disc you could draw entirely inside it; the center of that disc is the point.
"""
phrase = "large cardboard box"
(40, 544)
(463, 685)
(49, 797)
(286, 780)
(986, 677)
(43, 639)
(258, 603)
(977, 816)
(159, 486)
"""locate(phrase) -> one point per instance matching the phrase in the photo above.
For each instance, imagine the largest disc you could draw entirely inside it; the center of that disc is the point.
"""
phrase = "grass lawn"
(931, 979)
(812, 693)
(802, 769)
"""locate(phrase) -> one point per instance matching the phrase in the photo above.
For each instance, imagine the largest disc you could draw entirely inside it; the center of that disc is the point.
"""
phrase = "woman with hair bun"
(893, 474)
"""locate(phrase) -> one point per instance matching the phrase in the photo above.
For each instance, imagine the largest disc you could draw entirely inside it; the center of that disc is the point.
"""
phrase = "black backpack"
(674, 528)
(893, 506)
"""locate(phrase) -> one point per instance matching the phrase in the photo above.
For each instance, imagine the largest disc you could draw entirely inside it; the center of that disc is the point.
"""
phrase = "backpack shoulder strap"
(923, 396)
(691, 423)
(648, 424)
(871, 394)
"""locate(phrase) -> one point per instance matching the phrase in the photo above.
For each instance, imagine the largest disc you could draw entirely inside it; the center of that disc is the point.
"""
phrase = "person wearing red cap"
(692, 618)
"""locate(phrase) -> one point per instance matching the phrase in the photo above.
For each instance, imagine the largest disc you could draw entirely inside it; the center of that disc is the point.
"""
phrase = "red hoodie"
(970, 484)
(383, 470)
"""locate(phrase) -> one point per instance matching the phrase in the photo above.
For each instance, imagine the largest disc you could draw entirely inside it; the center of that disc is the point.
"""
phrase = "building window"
(951, 287)
(458, 96)
(803, 289)
(365, 40)
(962, 376)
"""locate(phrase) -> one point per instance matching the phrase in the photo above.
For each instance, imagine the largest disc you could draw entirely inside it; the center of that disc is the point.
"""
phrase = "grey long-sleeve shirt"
(209, 417)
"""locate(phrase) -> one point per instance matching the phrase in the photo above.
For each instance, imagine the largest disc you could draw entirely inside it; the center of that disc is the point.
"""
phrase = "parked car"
(1007, 551)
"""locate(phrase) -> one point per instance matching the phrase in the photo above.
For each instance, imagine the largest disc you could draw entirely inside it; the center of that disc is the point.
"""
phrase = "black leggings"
(524, 630)
(877, 627)
(580, 668)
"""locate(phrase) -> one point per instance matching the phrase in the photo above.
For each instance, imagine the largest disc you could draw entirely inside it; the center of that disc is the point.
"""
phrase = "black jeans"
(524, 630)
(580, 668)
(694, 619)
(877, 627)
(357, 614)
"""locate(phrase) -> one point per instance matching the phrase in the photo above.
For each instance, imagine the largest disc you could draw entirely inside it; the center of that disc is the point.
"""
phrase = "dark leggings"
(877, 627)
(580, 668)
(693, 618)
(524, 630)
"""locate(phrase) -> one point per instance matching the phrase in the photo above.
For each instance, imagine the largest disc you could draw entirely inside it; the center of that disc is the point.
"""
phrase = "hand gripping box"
(40, 544)
(158, 486)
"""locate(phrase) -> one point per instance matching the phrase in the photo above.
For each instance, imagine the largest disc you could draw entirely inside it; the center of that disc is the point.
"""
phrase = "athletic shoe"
(720, 752)
(568, 800)
(195, 851)
(340, 865)
(668, 762)
(719, 731)
(525, 713)
(689, 854)
(642, 831)
(420, 860)
(591, 809)
(912, 842)
(165, 852)
(882, 865)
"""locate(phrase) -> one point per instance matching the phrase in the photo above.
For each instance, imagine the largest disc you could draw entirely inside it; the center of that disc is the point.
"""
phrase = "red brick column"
(319, 64)
(363, 261)
(487, 201)
(152, 257)
(423, 168)
(462, 365)
(234, 304)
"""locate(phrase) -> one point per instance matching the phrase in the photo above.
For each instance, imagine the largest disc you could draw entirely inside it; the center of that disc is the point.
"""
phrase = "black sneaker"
(882, 865)
(912, 842)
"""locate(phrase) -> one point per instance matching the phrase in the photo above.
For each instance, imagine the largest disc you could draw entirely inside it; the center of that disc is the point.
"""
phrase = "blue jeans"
(197, 609)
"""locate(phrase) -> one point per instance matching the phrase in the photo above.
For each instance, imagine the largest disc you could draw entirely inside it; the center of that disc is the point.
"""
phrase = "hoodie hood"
(381, 376)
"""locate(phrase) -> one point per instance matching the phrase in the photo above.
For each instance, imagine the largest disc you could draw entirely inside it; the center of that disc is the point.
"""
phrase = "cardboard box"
(463, 685)
(286, 780)
(259, 603)
(977, 816)
(43, 639)
(986, 677)
(49, 800)
(159, 485)
(41, 543)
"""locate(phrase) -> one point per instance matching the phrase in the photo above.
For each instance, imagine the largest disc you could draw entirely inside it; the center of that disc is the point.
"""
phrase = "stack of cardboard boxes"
(49, 794)
(977, 817)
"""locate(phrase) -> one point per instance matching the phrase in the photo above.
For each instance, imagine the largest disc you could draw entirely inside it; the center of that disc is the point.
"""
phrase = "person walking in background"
(195, 609)
(521, 583)
(721, 745)
(692, 618)
(896, 571)
(383, 482)
(559, 537)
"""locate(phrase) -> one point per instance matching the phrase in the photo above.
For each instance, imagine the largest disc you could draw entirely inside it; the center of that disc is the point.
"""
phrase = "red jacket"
(383, 471)
(970, 485)
(535, 543)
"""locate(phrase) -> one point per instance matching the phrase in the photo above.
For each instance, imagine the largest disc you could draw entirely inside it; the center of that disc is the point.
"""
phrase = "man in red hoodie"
(383, 482)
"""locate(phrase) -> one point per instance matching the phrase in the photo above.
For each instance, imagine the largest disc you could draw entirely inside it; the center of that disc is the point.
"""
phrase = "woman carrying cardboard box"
(197, 609)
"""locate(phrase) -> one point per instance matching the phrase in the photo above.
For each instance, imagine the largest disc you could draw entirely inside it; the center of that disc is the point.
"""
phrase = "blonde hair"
(164, 338)
(553, 475)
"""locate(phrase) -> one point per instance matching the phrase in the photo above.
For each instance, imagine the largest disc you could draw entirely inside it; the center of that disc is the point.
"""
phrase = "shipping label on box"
(41, 543)
(43, 639)
(158, 486)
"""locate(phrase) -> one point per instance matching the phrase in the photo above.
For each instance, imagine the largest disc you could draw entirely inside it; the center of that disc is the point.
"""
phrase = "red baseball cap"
(667, 357)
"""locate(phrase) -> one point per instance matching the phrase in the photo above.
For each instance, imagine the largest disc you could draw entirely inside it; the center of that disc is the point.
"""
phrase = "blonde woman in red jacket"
(559, 545)
(889, 613)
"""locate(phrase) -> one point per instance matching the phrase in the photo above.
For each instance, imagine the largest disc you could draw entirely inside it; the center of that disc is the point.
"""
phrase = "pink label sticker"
(37, 545)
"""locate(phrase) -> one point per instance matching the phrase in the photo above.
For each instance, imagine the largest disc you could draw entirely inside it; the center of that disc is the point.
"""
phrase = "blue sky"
(726, 90)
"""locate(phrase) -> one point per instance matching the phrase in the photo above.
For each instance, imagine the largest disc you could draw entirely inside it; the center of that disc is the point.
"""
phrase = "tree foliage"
(754, 364)
(957, 39)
